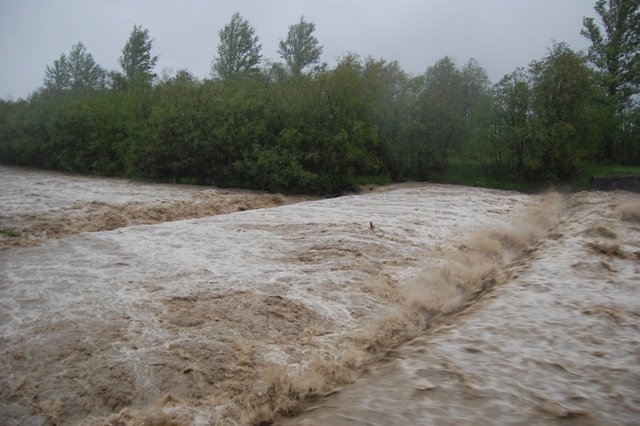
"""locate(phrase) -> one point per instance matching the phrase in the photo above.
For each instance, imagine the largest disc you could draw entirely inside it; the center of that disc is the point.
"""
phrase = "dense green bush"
(319, 132)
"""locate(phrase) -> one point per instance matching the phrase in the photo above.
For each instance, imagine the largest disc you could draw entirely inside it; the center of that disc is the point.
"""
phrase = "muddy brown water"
(558, 343)
(416, 304)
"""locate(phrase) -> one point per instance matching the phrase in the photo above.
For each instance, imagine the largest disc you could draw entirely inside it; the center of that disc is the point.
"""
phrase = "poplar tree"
(301, 48)
(239, 49)
(57, 77)
(615, 53)
(136, 60)
(77, 71)
(85, 73)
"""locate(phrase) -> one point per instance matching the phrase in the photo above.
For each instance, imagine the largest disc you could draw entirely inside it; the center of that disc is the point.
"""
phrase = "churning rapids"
(126, 303)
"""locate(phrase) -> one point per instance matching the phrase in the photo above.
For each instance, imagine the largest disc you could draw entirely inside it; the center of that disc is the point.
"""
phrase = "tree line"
(300, 126)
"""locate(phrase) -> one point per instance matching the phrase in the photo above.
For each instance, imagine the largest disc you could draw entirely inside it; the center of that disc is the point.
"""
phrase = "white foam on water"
(556, 343)
(180, 318)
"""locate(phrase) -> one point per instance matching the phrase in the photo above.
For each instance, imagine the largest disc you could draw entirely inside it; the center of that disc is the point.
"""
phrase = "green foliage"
(301, 48)
(542, 119)
(278, 169)
(444, 114)
(583, 179)
(597, 170)
(442, 110)
(561, 103)
(371, 180)
(615, 52)
(474, 173)
(58, 76)
(136, 60)
(364, 121)
(85, 73)
(8, 232)
(78, 72)
(238, 50)
(615, 55)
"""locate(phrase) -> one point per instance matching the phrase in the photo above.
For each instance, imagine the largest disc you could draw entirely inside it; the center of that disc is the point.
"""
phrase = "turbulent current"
(136, 304)
(559, 342)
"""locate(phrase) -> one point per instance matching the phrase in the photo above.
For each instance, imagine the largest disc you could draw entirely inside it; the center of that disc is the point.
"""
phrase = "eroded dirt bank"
(241, 318)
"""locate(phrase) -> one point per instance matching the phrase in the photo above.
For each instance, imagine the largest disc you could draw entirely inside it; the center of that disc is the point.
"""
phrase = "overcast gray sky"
(500, 34)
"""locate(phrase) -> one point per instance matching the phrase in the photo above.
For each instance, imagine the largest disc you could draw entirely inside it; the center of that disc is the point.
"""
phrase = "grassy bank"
(477, 174)
(583, 180)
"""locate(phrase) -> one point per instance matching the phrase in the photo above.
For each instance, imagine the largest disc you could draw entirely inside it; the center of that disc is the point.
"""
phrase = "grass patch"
(8, 232)
(371, 180)
(603, 171)
(475, 174)
(583, 179)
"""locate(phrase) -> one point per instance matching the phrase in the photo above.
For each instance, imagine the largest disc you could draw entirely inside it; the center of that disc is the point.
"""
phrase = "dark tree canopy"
(238, 50)
(301, 48)
(561, 103)
(442, 108)
(279, 127)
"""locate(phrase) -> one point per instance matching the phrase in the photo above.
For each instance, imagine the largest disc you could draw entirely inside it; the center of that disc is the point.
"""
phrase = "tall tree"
(509, 136)
(84, 72)
(239, 49)
(77, 71)
(615, 53)
(301, 48)
(57, 77)
(561, 84)
(441, 104)
(475, 94)
(475, 83)
(387, 90)
(136, 60)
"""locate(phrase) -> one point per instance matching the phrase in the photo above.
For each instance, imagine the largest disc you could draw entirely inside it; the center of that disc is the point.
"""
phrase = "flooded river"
(129, 303)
